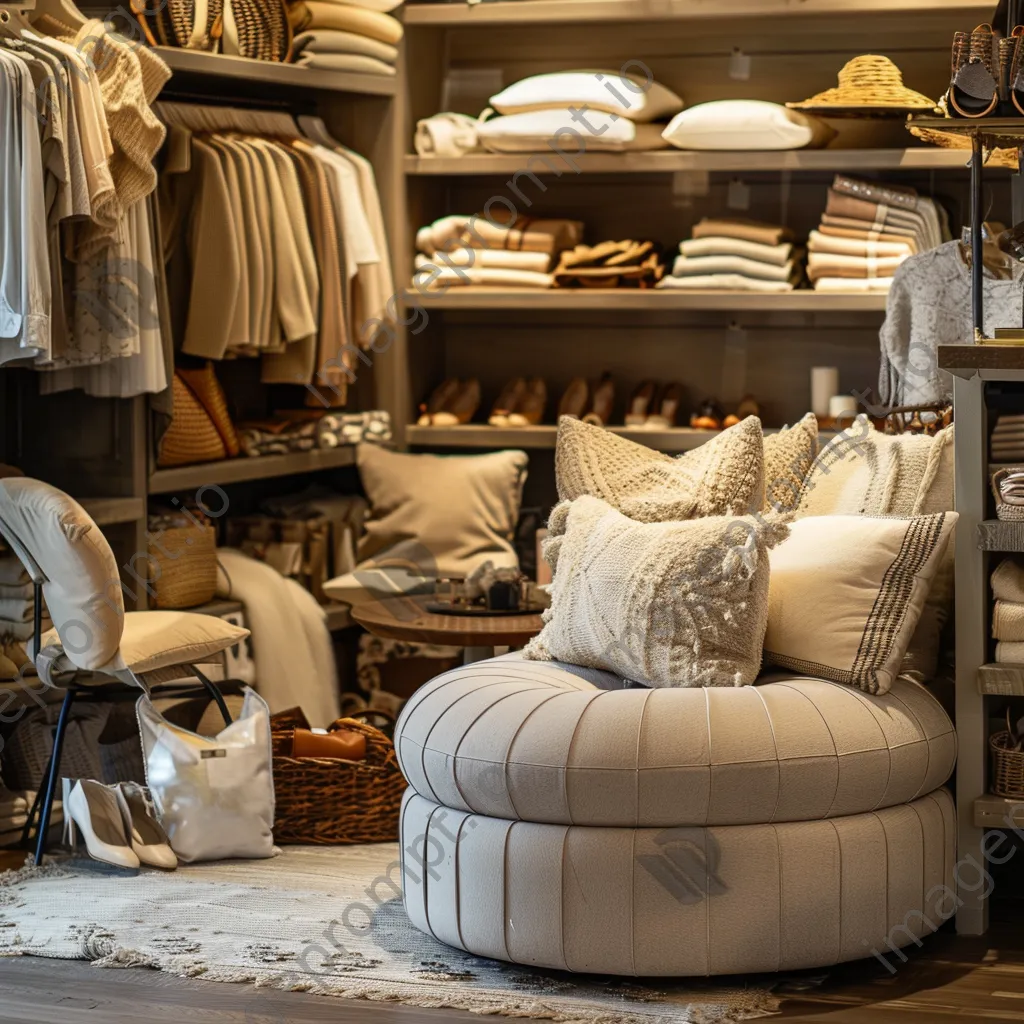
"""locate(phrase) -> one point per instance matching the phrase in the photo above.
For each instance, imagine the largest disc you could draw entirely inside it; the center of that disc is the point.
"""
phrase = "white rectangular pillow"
(557, 131)
(847, 592)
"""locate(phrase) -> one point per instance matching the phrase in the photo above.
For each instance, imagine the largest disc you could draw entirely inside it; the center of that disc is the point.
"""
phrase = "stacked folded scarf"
(736, 255)
(472, 250)
(302, 431)
(1008, 611)
(358, 36)
(1007, 442)
(860, 242)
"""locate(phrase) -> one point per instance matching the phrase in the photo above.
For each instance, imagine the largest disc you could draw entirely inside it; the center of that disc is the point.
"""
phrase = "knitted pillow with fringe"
(665, 604)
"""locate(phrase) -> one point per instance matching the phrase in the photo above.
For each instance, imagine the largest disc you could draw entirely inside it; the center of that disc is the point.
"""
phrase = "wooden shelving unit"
(1001, 680)
(535, 12)
(674, 161)
(114, 511)
(241, 469)
(648, 300)
(197, 63)
(997, 535)
(997, 812)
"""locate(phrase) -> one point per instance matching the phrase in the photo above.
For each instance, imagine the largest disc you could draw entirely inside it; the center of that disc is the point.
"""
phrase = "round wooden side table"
(407, 618)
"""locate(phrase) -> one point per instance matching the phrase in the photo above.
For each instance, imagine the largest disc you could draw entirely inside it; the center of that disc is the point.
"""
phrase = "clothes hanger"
(12, 23)
(58, 17)
(315, 130)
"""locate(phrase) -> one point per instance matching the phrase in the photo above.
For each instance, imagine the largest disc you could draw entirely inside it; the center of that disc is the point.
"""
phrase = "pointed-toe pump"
(149, 840)
(97, 813)
(640, 404)
(666, 410)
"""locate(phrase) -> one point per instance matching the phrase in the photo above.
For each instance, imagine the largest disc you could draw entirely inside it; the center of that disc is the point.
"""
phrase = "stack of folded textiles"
(1008, 611)
(14, 808)
(358, 36)
(733, 254)
(304, 430)
(17, 609)
(626, 264)
(867, 230)
(1007, 444)
(463, 250)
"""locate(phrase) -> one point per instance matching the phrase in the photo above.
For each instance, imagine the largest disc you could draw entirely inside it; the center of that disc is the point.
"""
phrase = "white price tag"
(739, 65)
(738, 197)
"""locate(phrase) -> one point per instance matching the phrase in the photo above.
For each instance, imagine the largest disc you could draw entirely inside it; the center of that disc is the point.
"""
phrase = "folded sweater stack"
(17, 606)
(1008, 611)
(1007, 442)
(859, 243)
(625, 264)
(358, 35)
(464, 250)
(732, 254)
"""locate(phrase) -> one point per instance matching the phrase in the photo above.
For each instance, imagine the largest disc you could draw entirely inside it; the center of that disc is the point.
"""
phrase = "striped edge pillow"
(846, 594)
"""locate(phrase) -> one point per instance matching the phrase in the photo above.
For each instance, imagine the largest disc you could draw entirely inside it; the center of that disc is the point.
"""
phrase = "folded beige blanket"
(357, 63)
(864, 234)
(821, 264)
(829, 220)
(324, 14)
(333, 41)
(740, 227)
(429, 276)
(550, 236)
(1010, 653)
(817, 242)
(1008, 581)
(725, 282)
(686, 266)
(1009, 419)
(509, 259)
(1008, 621)
(853, 284)
(720, 245)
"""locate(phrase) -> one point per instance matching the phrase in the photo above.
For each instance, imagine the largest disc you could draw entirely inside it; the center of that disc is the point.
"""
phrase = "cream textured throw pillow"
(847, 593)
(443, 515)
(666, 604)
(723, 477)
(788, 455)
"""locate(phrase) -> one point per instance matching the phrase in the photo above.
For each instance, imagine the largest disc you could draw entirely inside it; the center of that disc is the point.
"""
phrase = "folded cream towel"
(509, 259)
(853, 284)
(720, 245)
(1010, 654)
(725, 283)
(686, 266)
(817, 242)
(1008, 621)
(1008, 581)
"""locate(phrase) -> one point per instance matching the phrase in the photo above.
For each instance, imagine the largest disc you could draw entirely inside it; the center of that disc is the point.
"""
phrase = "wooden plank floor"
(950, 979)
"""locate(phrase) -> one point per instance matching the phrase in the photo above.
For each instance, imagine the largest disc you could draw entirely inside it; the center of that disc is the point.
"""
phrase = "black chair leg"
(54, 774)
(33, 814)
(214, 692)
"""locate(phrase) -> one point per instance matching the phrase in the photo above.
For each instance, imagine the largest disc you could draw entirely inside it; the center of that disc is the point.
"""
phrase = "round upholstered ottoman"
(559, 817)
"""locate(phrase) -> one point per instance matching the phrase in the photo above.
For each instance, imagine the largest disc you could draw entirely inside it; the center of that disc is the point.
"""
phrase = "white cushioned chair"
(560, 817)
(94, 642)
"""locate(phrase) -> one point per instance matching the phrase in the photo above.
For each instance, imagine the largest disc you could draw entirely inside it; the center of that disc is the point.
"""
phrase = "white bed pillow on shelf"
(554, 131)
(629, 96)
(745, 124)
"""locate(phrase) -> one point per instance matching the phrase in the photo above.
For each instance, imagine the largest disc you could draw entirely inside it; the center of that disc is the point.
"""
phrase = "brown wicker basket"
(1007, 765)
(323, 800)
(182, 560)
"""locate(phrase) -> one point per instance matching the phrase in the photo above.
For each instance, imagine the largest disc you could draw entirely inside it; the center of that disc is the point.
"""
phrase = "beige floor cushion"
(731, 899)
(544, 741)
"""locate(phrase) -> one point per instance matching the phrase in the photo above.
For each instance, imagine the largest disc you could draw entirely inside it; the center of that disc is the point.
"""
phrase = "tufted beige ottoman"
(560, 818)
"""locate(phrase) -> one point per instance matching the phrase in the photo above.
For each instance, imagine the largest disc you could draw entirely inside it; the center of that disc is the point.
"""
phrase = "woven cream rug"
(327, 920)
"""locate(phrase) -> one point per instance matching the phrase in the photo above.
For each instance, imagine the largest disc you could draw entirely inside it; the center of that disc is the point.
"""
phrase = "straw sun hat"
(867, 84)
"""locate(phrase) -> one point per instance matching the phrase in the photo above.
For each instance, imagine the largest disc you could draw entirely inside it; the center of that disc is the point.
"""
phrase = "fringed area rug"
(327, 920)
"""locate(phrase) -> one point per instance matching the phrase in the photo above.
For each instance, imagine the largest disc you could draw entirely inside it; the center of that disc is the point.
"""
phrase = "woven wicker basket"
(327, 801)
(1004, 510)
(1007, 766)
(182, 561)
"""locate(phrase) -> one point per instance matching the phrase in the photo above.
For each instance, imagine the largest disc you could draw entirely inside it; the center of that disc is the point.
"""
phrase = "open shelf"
(220, 66)
(573, 11)
(997, 535)
(114, 511)
(1002, 680)
(671, 161)
(479, 435)
(263, 467)
(992, 811)
(480, 297)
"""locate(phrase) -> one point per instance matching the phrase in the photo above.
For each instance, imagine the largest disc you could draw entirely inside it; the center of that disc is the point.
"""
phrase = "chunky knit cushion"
(847, 593)
(788, 455)
(723, 477)
(666, 604)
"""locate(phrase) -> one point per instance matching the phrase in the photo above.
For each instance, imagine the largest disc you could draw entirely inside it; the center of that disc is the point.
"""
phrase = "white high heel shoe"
(149, 840)
(98, 813)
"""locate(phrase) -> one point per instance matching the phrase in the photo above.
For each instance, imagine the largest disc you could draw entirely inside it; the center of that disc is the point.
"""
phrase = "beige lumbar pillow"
(847, 593)
(723, 477)
(666, 604)
(788, 455)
